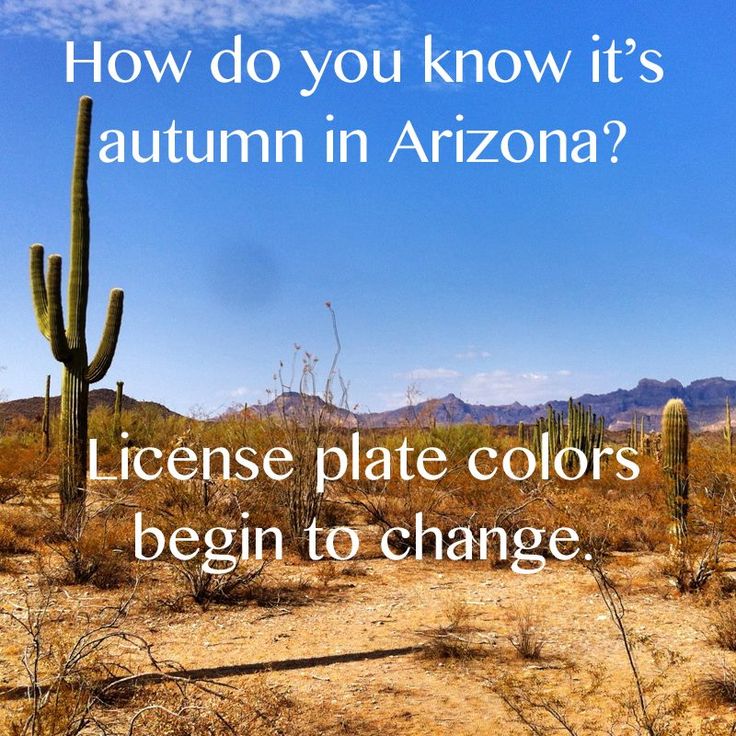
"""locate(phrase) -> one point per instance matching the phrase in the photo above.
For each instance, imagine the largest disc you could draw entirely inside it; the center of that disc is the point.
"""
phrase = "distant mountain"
(293, 404)
(32, 408)
(705, 400)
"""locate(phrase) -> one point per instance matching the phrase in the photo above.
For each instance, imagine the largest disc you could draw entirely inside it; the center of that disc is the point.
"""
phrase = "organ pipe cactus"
(675, 439)
(584, 431)
(68, 338)
(633, 440)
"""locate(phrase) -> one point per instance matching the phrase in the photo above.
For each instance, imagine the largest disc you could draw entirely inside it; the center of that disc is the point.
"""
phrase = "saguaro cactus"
(675, 439)
(117, 425)
(727, 427)
(68, 341)
(46, 420)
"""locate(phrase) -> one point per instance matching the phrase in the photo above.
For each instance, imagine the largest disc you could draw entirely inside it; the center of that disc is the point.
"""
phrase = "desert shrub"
(68, 663)
(273, 593)
(456, 440)
(453, 638)
(534, 706)
(8, 566)
(447, 645)
(22, 469)
(259, 708)
(354, 569)
(99, 555)
(27, 522)
(219, 508)
(9, 489)
(526, 637)
(303, 418)
(189, 711)
(11, 543)
(334, 513)
(722, 630)
(20, 530)
(326, 571)
(389, 504)
(226, 588)
(720, 685)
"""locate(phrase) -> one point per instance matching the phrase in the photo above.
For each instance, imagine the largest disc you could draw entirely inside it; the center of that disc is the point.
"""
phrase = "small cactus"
(46, 420)
(117, 423)
(675, 439)
(727, 427)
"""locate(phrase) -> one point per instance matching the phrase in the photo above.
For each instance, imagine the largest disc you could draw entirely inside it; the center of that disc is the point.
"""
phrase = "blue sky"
(496, 282)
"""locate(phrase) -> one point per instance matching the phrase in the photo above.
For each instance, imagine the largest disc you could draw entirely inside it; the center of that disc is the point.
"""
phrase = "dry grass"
(722, 632)
(259, 708)
(719, 686)
(354, 569)
(100, 556)
(20, 531)
(453, 639)
(527, 638)
(326, 571)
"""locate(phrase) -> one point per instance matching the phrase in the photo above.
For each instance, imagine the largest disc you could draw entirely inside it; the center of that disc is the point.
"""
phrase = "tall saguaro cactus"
(675, 439)
(68, 340)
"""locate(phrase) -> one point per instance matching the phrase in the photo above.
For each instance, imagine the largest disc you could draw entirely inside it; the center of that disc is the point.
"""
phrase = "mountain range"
(704, 398)
(32, 407)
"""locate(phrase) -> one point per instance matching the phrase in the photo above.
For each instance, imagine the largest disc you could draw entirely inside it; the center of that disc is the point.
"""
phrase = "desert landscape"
(98, 642)
(492, 551)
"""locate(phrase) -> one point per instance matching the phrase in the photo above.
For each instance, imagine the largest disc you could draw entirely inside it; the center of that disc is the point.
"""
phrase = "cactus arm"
(57, 336)
(79, 247)
(38, 290)
(103, 358)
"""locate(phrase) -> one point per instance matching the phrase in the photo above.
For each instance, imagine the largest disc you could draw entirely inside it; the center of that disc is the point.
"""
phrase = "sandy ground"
(348, 646)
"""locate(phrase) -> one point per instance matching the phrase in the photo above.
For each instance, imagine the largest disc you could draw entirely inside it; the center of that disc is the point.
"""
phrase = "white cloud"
(502, 387)
(240, 394)
(472, 354)
(355, 19)
(429, 374)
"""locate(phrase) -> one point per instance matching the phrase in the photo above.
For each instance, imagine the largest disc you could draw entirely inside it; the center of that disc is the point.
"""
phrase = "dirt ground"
(356, 642)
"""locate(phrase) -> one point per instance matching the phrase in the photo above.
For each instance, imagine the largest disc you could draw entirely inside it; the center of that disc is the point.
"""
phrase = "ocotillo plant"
(727, 427)
(675, 439)
(68, 341)
(46, 420)
(117, 425)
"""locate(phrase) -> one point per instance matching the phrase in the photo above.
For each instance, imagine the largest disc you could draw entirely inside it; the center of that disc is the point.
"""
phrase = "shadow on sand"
(234, 670)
